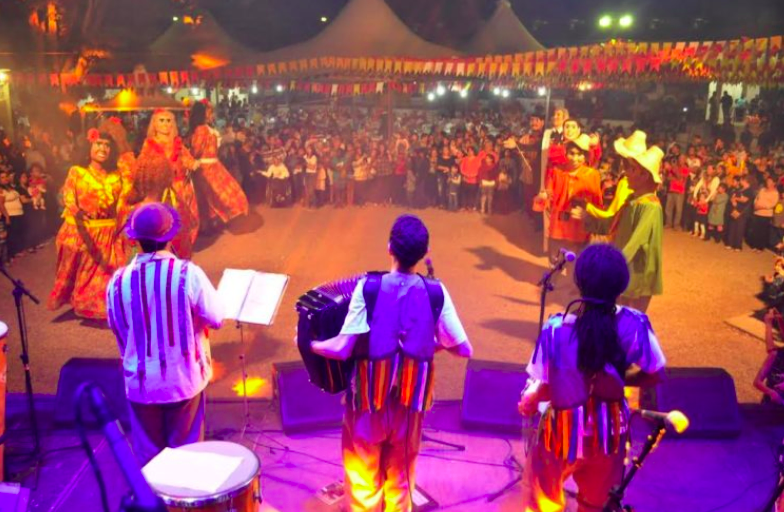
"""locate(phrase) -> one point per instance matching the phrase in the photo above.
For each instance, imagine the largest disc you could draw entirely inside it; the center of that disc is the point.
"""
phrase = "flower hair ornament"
(93, 135)
(115, 120)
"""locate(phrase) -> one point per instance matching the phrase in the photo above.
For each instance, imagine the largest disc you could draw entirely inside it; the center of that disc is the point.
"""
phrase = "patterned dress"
(224, 196)
(182, 195)
(88, 247)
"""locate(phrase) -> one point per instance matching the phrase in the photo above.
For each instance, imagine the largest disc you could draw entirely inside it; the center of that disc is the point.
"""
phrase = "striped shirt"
(160, 308)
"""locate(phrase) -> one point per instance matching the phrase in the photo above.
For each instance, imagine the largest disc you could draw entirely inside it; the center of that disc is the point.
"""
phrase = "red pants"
(379, 455)
(544, 477)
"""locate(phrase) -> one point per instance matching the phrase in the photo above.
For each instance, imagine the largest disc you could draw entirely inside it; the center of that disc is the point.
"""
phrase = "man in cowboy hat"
(160, 308)
(640, 222)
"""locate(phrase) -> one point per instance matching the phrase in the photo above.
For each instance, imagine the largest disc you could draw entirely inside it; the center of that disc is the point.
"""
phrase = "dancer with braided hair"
(581, 364)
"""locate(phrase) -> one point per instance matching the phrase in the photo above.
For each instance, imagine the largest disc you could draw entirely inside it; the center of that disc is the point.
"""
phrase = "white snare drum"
(241, 492)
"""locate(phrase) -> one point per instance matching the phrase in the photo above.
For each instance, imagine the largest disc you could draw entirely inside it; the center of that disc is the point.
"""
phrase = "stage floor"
(701, 475)
(489, 264)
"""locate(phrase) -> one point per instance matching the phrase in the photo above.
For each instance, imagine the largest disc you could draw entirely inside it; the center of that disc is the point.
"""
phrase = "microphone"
(146, 500)
(567, 255)
(675, 419)
(431, 274)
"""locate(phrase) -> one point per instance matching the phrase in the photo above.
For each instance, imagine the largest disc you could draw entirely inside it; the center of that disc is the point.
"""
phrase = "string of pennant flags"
(754, 61)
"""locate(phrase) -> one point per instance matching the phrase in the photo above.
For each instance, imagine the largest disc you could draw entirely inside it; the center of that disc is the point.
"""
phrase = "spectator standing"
(765, 201)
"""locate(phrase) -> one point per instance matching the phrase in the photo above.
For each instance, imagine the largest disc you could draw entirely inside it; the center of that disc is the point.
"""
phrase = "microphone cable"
(81, 392)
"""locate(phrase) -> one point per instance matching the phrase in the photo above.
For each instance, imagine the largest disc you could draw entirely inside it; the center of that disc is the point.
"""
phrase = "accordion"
(322, 311)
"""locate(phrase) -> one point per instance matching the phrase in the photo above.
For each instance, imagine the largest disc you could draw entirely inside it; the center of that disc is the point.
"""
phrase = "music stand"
(250, 297)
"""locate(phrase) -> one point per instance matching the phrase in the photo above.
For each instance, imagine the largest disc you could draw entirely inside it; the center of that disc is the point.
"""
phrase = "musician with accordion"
(395, 323)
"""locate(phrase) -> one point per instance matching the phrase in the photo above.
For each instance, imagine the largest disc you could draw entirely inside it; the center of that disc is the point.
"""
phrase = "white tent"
(503, 33)
(364, 28)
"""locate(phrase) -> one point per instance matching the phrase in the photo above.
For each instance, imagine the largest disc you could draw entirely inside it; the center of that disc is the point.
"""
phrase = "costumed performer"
(89, 247)
(163, 138)
(223, 195)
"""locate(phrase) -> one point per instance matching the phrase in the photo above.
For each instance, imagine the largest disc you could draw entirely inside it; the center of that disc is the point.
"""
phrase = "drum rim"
(228, 494)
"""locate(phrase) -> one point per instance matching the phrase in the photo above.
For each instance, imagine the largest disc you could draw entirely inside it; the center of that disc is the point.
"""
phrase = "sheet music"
(250, 296)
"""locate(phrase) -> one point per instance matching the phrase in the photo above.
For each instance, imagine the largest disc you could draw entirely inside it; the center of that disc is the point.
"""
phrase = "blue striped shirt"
(160, 309)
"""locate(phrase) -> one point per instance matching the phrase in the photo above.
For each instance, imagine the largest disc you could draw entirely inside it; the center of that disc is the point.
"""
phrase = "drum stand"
(19, 292)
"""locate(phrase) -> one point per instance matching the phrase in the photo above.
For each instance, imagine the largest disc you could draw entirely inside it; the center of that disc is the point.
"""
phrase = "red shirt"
(678, 180)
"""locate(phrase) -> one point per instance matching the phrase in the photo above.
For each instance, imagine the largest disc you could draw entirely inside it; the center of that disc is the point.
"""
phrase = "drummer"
(160, 308)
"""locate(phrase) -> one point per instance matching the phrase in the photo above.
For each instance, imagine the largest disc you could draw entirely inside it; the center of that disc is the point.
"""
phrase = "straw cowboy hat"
(583, 141)
(156, 222)
(635, 144)
(651, 161)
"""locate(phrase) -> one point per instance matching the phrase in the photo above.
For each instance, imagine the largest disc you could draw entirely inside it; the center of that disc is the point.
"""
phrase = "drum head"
(3, 330)
(239, 480)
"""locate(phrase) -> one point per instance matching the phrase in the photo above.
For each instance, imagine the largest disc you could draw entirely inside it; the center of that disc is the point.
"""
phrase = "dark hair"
(154, 174)
(197, 117)
(111, 162)
(601, 274)
(152, 245)
(408, 240)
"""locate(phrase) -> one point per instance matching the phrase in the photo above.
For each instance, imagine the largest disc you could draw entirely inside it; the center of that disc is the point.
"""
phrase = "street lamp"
(505, 93)
(542, 91)
(605, 21)
(431, 96)
(279, 88)
(496, 91)
(324, 19)
(626, 21)
(440, 90)
(464, 93)
(175, 18)
(254, 89)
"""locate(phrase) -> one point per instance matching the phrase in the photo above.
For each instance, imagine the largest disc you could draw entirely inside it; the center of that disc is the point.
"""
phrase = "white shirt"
(449, 330)
(160, 309)
(276, 172)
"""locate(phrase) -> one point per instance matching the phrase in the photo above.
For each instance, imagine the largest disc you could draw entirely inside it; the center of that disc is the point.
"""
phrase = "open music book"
(250, 296)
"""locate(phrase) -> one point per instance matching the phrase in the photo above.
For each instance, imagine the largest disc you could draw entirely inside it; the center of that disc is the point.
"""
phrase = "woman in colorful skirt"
(222, 194)
(581, 364)
(163, 139)
(89, 249)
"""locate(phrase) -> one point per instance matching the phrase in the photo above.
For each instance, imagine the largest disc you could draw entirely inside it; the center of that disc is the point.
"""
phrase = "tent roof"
(129, 100)
(203, 45)
(503, 33)
(364, 28)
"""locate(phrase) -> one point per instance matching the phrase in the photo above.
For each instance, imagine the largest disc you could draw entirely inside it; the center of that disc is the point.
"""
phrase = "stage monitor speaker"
(705, 395)
(107, 373)
(303, 406)
(490, 396)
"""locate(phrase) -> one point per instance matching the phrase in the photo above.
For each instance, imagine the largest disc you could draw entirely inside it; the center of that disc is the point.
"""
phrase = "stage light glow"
(324, 19)
(175, 18)
(169, 90)
(254, 89)
(255, 386)
(464, 93)
(542, 91)
(626, 21)
(431, 96)
(3, 77)
(505, 93)
(605, 21)
(440, 90)
(279, 88)
(195, 91)
(496, 91)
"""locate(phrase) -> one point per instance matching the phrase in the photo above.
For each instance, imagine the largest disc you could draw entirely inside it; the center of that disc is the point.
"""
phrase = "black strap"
(373, 286)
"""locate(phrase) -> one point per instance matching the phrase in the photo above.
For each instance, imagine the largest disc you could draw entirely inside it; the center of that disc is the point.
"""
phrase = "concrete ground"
(490, 266)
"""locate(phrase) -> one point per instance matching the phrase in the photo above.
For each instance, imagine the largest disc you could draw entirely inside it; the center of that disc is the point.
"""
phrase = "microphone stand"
(546, 285)
(19, 292)
(614, 501)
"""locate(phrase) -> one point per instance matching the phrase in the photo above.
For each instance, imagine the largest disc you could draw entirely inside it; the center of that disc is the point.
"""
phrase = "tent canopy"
(129, 100)
(197, 41)
(364, 28)
(503, 33)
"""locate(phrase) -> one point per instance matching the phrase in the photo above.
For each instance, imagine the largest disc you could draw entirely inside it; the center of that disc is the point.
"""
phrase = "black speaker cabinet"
(107, 373)
(303, 406)
(490, 396)
(705, 395)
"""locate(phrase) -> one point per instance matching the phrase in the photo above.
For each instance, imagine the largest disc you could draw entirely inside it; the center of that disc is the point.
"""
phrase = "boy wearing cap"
(640, 222)
(160, 309)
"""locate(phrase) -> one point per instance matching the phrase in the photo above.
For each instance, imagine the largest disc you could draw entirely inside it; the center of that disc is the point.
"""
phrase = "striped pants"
(379, 457)
(545, 473)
